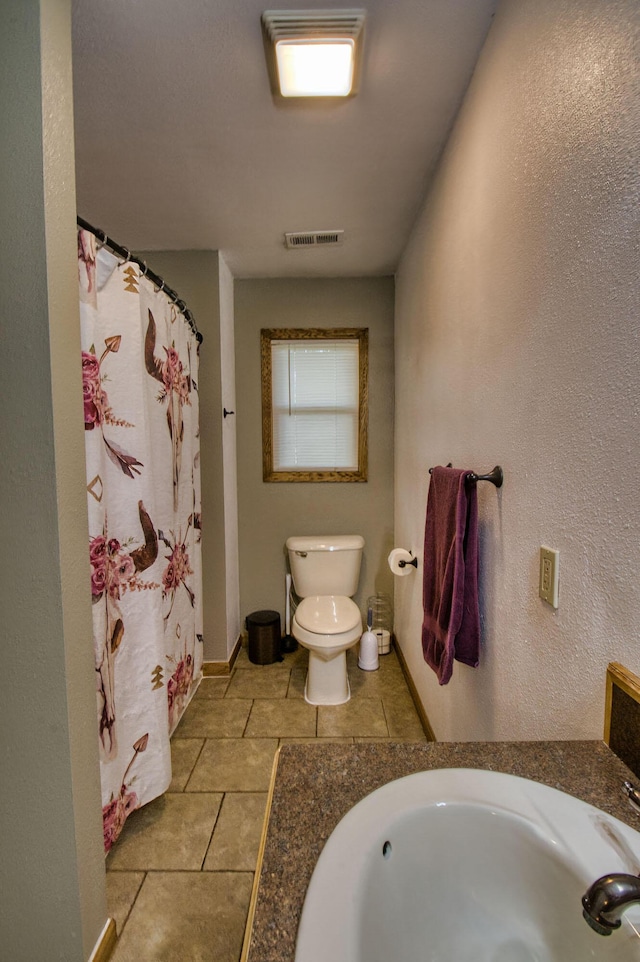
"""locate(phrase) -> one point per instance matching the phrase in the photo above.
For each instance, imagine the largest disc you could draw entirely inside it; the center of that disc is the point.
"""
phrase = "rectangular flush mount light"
(313, 53)
(312, 68)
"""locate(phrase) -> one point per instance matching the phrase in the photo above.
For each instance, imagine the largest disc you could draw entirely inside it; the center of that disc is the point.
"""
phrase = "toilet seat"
(325, 643)
(328, 615)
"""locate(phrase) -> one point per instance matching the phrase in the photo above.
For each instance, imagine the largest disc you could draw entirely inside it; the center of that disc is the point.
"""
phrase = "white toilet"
(325, 573)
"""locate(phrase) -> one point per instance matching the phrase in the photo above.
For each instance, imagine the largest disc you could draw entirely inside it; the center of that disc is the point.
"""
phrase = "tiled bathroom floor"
(179, 878)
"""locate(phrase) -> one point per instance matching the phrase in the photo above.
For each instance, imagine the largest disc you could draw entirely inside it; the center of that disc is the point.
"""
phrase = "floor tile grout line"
(246, 724)
(193, 871)
(145, 872)
(185, 790)
(290, 682)
(215, 824)
(218, 791)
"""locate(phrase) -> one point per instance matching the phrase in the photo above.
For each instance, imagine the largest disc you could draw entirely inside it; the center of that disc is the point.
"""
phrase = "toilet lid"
(328, 614)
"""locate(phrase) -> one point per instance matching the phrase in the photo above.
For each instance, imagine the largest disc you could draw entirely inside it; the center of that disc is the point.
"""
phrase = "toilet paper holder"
(403, 564)
(402, 561)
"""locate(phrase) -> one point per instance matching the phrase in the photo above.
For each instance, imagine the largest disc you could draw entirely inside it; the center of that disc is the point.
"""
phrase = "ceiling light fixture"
(313, 53)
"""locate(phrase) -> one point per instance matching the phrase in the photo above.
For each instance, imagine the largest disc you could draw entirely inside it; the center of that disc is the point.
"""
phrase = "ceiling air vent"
(285, 24)
(313, 238)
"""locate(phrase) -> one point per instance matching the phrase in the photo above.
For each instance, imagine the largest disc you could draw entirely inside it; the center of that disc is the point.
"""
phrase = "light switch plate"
(549, 580)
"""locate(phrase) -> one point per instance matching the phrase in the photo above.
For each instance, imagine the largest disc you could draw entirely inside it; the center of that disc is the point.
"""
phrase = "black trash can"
(264, 637)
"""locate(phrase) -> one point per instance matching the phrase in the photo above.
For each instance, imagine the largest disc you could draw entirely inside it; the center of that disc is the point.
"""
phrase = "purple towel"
(451, 626)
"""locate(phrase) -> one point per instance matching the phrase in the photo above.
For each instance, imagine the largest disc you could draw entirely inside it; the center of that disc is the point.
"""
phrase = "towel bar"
(495, 477)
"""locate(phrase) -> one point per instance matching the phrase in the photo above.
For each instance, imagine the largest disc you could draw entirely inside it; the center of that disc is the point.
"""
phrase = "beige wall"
(52, 868)
(270, 512)
(201, 279)
(517, 343)
(229, 456)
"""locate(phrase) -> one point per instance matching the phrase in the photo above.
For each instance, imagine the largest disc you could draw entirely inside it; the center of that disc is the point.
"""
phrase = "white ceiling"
(179, 144)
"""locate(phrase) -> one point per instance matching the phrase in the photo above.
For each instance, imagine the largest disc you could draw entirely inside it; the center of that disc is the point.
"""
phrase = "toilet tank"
(322, 565)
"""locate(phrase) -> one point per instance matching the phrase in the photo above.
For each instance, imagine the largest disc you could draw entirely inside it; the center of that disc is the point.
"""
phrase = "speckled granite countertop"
(316, 785)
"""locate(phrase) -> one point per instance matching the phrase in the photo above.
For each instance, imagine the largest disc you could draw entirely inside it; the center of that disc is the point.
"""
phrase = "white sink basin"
(460, 865)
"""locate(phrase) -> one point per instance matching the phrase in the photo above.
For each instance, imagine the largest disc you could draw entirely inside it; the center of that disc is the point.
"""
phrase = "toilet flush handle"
(301, 554)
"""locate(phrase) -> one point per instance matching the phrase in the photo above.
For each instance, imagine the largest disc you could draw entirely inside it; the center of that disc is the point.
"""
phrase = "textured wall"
(52, 874)
(270, 512)
(517, 342)
(229, 457)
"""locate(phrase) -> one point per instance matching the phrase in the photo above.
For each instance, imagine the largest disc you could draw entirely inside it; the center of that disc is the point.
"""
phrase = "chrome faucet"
(606, 900)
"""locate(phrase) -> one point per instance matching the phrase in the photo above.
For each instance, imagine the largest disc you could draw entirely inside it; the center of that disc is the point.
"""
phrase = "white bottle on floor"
(368, 656)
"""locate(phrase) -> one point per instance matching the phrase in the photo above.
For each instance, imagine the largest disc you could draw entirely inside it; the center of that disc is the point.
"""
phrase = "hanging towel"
(451, 625)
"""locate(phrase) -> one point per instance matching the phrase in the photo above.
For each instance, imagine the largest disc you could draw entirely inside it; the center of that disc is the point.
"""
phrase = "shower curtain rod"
(106, 241)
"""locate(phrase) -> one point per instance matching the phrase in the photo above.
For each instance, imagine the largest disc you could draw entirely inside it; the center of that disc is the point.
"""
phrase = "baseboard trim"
(218, 669)
(106, 943)
(424, 720)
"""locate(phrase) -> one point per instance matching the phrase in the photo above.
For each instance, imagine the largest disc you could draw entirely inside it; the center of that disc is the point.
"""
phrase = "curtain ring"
(127, 257)
(101, 242)
(160, 289)
(143, 273)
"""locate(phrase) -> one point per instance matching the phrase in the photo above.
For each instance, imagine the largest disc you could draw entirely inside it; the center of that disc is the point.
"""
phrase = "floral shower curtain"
(140, 373)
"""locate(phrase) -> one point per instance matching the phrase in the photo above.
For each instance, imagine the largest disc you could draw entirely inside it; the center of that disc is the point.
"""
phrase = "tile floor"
(179, 878)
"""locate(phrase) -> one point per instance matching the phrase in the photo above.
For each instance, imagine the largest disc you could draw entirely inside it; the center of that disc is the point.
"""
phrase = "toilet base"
(327, 681)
